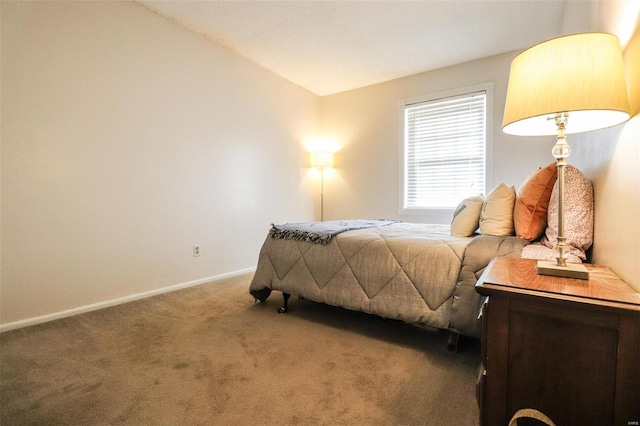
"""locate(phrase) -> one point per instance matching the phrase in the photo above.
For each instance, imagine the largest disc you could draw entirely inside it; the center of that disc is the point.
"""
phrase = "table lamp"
(569, 84)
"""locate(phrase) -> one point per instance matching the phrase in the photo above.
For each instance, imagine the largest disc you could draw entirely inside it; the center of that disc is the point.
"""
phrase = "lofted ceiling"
(333, 46)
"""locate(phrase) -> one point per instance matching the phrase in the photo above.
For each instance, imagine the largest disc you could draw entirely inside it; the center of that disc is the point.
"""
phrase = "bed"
(422, 273)
(417, 273)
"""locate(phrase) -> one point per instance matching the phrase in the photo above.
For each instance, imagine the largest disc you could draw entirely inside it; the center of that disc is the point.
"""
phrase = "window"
(445, 146)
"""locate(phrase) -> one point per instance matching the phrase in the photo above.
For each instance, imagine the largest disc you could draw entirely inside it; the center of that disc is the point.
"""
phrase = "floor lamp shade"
(321, 159)
(580, 74)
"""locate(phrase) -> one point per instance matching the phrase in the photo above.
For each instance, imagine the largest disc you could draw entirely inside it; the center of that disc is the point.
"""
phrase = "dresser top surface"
(516, 275)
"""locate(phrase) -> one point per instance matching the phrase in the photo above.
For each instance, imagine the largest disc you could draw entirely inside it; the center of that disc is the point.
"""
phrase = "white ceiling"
(333, 46)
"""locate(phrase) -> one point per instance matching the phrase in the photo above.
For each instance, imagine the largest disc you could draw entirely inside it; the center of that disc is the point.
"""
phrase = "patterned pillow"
(532, 203)
(466, 218)
(539, 252)
(578, 213)
(496, 217)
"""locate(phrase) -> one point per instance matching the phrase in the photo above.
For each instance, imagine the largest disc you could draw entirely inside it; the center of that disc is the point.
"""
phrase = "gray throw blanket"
(321, 232)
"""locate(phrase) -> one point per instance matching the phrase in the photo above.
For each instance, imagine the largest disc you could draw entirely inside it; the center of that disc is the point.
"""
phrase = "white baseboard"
(113, 302)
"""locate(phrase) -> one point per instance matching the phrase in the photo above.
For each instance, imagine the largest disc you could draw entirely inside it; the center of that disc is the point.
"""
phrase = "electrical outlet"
(196, 250)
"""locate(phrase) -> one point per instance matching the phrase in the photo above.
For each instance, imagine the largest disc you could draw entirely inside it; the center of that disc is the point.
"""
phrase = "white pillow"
(496, 217)
(466, 218)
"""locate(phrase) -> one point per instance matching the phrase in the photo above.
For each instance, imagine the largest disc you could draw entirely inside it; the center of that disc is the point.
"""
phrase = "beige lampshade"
(582, 74)
(321, 159)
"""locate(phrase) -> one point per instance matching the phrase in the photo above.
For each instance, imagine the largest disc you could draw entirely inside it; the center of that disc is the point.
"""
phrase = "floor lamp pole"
(322, 194)
(321, 160)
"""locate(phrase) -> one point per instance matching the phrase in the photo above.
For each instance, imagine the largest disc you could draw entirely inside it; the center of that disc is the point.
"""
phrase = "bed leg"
(452, 343)
(285, 306)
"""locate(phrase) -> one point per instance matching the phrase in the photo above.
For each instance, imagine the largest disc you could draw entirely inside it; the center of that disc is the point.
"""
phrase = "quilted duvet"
(417, 273)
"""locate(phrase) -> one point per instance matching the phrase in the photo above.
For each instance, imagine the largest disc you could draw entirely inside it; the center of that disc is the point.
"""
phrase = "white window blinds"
(445, 143)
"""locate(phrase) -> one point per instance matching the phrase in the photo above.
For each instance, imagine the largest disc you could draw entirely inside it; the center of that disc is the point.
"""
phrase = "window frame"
(444, 214)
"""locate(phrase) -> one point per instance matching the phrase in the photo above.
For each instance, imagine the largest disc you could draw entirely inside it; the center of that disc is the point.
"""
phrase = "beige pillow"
(496, 217)
(466, 218)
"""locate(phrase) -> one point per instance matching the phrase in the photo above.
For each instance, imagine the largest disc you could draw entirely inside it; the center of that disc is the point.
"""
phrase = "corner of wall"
(611, 159)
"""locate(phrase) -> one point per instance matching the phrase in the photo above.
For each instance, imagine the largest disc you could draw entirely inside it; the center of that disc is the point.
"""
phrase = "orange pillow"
(532, 203)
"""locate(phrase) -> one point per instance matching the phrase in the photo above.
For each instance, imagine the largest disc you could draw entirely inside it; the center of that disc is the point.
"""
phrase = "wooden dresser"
(569, 348)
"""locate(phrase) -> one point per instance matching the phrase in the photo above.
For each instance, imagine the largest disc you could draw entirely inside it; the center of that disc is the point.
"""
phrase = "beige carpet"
(208, 356)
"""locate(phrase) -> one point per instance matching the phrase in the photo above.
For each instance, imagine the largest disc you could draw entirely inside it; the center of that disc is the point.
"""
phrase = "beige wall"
(366, 122)
(611, 159)
(366, 180)
(125, 140)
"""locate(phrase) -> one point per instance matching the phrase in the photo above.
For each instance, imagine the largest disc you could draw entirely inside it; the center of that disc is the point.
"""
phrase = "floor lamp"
(321, 160)
(570, 84)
